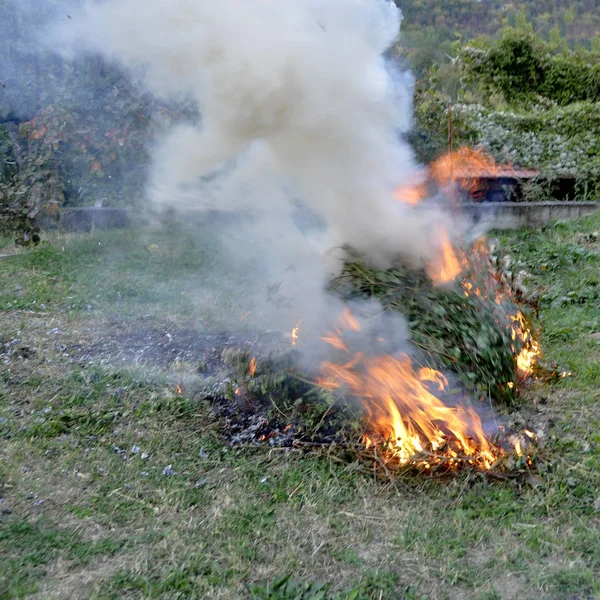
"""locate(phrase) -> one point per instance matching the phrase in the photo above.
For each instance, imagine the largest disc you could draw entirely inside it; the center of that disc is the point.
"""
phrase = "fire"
(466, 166)
(462, 163)
(494, 288)
(179, 390)
(349, 320)
(334, 340)
(252, 369)
(295, 332)
(410, 194)
(527, 359)
(403, 412)
(531, 351)
(446, 268)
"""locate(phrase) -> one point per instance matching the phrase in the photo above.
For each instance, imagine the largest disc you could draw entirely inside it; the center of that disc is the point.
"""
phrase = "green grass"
(133, 272)
(84, 516)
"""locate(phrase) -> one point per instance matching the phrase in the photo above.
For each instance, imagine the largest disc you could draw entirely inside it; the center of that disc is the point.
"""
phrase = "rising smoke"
(305, 78)
(294, 95)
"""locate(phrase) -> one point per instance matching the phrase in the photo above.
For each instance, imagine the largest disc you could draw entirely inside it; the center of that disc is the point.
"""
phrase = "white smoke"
(305, 77)
(294, 95)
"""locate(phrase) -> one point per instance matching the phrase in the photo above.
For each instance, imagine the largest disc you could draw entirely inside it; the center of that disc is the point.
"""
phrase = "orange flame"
(446, 268)
(410, 194)
(335, 340)
(495, 288)
(179, 390)
(466, 166)
(252, 366)
(531, 351)
(463, 162)
(349, 320)
(402, 412)
(295, 331)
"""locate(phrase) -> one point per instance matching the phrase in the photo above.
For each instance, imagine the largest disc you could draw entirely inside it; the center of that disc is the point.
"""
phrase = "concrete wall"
(500, 215)
(508, 215)
(86, 218)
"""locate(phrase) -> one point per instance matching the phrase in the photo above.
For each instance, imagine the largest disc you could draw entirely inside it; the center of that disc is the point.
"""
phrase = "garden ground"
(115, 485)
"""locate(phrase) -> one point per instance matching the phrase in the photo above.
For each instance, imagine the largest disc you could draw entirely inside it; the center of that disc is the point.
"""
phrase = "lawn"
(113, 484)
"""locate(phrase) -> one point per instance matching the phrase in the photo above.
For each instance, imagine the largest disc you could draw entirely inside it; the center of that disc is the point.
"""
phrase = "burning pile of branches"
(471, 325)
(412, 417)
(464, 318)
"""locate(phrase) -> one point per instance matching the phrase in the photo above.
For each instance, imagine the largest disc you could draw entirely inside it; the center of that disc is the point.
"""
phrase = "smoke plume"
(299, 106)
(305, 80)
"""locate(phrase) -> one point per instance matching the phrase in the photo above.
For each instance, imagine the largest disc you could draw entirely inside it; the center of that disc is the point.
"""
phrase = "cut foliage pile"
(465, 326)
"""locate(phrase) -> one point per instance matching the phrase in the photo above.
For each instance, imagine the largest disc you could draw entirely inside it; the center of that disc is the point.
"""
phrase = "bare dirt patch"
(63, 582)
(126, 343)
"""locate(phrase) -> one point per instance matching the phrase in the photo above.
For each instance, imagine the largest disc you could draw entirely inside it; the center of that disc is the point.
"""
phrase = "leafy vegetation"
(525, 70)
(469, 335)
(431, 27)
(530, 102)
(74, 132)
(288, 589)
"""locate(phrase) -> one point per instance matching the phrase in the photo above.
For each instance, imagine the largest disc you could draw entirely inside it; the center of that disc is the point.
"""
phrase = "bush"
(526, 70)
(528, 102)
(80, 131)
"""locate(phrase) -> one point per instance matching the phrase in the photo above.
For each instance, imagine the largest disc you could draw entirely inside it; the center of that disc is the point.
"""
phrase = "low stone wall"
(500, 215)
(508, 215)
(86, 218)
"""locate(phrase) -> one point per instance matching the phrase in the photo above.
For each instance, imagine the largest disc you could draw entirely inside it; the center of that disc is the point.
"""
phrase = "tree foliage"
(530, 101)
(526, 70)
(75, 132)
(431, 26)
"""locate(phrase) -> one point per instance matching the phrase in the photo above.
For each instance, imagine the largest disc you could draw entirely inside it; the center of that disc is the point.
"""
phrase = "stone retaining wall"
(501, 215)
(508, 215)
